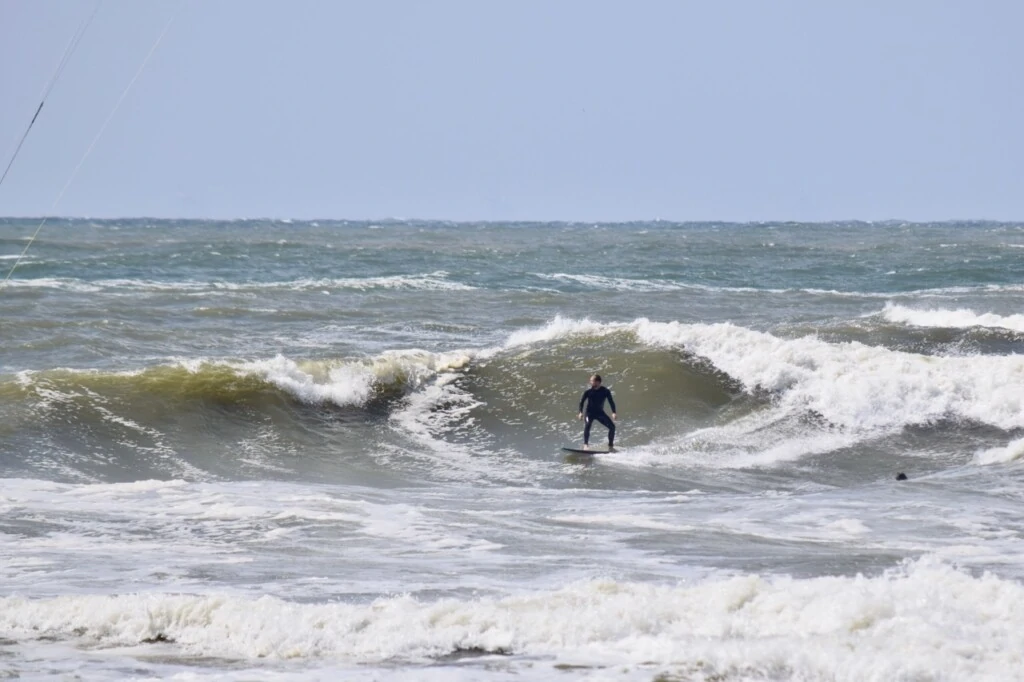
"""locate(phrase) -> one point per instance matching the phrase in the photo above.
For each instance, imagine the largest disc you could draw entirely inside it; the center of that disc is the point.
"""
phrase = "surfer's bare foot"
(586, 447)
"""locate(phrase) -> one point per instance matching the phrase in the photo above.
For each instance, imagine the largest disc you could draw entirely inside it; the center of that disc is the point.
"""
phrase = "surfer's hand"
(579, 416)
(614, 418)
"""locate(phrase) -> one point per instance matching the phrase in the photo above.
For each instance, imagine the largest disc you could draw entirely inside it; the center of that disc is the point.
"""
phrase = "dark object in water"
(901, 476)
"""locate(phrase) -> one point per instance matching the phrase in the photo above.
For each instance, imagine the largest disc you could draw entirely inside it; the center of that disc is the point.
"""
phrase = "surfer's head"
(595, 380)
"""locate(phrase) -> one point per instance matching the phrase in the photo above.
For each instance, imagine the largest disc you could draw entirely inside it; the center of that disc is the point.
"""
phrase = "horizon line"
(495, 221)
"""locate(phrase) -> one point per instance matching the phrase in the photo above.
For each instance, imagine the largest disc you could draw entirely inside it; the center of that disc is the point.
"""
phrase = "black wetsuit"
(594, 399)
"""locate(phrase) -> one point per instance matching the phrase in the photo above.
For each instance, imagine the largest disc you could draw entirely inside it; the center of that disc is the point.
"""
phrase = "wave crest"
(961, 318)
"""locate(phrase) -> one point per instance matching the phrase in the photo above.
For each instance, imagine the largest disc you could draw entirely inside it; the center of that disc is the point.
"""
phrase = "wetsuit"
(594, 399)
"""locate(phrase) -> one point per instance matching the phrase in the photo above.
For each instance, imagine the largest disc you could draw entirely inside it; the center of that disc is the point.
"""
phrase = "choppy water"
(331, 450)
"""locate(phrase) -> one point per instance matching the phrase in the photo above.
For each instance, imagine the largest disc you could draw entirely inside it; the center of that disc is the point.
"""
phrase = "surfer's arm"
(611, 402)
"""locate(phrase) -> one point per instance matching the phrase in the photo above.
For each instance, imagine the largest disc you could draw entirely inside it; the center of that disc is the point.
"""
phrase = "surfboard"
(577, 456)
(580, 451)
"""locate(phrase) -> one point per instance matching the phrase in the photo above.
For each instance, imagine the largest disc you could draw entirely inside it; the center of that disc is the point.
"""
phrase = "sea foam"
(961, 318)
(353, 382)
(923, 621)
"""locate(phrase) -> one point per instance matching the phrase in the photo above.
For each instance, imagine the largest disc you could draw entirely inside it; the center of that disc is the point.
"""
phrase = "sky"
(589, 110)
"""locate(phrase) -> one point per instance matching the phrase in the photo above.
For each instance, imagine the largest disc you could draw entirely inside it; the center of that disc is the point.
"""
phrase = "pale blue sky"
(556, 110)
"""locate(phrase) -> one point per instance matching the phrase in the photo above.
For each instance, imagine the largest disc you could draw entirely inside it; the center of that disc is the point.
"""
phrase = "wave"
(849, 384)
(195, 418)
(704, 395)
(961, 318)
(600, 282)
(1001, 455)
(762, 400)
(618, 283)
(352, 382)
(442, 281)
(724, 396)
(923, 620)
(434, 281)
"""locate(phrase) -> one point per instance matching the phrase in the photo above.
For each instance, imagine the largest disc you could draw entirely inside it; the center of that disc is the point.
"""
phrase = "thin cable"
(65, 58)
(95, 139)
(71, 47)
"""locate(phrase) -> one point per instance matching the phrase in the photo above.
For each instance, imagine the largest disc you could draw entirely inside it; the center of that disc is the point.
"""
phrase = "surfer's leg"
(587, 421)
(608, 424)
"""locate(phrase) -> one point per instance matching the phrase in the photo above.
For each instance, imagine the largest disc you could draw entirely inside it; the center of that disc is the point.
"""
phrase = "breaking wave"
(893, 626)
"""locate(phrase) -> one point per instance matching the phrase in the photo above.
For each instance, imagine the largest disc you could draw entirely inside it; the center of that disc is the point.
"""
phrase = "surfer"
(594, 398)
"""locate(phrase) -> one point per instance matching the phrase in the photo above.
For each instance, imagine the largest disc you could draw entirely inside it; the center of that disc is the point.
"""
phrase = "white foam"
(342, 385)
(617, 283)
(103, 536)
(623, 521)
(560, 328)
(435, 281)
(852, 385)
(421, 417)
(438, 417)
(432, 414)
(353, 382)
(752, 443)
(64, 284)
(961, 318)
(925, 622)
(1008, 453)
(630, 284)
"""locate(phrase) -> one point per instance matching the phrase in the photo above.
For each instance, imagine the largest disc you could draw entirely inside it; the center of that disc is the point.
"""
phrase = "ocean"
(286, 450)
